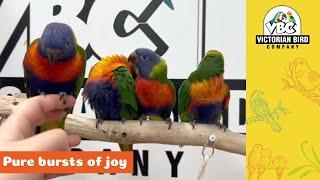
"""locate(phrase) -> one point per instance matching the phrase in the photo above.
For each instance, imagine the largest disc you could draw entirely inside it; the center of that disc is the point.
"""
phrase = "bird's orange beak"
(53, 55)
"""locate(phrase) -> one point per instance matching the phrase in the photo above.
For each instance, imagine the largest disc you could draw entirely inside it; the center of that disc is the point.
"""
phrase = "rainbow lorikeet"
(154, 91)
(204, 95)
(54, 64)
(110, 91)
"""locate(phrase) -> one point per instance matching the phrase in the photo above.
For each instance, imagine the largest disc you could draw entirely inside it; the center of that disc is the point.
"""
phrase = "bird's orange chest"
(208, 91)
(59, 72)
(151, 93)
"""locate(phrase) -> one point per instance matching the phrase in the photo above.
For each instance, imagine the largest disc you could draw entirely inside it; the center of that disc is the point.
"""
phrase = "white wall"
(180, 29)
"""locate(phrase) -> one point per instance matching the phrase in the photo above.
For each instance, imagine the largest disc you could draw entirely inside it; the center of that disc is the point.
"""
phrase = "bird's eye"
(145, 57)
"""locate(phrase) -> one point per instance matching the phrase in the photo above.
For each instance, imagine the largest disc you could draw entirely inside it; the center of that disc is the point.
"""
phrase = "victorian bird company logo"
(282, 29)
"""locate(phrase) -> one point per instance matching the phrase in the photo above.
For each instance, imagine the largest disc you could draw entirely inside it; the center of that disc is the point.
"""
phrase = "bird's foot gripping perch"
(63, 97)
(169, 121)
(221, 126)
(42, 93)
(142, 119)
(98, 122)
(68, 110)
(2, 119)
(193, 123)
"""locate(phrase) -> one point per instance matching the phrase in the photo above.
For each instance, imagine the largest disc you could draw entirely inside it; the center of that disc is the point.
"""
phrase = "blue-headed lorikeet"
(204, 95)
(54, 64)
(110, 91)
(155, 92)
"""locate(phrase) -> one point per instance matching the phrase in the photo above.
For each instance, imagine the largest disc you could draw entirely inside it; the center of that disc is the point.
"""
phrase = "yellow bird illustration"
(303, 78)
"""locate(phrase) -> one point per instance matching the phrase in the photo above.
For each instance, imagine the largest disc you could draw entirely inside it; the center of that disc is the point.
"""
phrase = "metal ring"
(210, 140)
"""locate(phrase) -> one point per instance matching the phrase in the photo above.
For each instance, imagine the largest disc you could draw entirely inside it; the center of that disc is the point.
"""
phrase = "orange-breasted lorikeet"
(155, 92)
(54, 64)
(110, 91)
(204, 95)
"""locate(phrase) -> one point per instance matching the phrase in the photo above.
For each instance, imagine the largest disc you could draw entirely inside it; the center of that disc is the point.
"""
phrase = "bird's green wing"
(184, 98)
(80, 80)
(125, 86)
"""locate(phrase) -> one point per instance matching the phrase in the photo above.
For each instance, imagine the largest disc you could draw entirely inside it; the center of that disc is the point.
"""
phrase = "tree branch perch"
(149, 132)
(155, 132)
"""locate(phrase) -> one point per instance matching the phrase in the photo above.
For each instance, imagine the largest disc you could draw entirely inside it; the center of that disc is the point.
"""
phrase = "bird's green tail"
(126, 147)
(155, 118)
(52, 125)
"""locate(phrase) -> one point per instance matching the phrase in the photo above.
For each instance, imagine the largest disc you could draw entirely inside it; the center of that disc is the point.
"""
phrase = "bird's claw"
(2, 119)
(193, 123)
(98, 123)
(169, 121)
(221, 126)
(123, 121)
(224, 128)
(63, 96)
(42, 93)
(68, 110)
(181, 146)
(142, 119)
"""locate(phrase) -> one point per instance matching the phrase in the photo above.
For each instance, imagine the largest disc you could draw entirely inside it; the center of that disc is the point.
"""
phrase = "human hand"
(16, 133)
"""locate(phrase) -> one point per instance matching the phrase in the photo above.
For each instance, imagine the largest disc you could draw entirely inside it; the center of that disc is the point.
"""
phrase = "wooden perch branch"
(155, 132)
(149, 132)
(8, 103)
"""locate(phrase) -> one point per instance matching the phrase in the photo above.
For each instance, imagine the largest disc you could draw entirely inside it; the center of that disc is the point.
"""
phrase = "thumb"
(52, 140)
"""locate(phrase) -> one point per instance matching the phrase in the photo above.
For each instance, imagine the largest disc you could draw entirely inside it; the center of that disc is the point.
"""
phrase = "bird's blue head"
(57, 43)
(144, 60)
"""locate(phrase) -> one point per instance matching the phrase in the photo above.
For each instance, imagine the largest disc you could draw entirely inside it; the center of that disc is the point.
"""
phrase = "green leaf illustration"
(315, 156)
(305, 174)
(297, 169)
(313, 161)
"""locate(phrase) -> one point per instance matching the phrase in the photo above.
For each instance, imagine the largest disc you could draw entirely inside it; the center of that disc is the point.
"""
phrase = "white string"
(203, 167)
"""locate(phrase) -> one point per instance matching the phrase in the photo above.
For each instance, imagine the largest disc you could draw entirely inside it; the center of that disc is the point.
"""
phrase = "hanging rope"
(206, 157)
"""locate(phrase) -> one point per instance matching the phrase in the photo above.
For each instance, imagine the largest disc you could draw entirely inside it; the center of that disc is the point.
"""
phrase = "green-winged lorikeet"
(54, 64)
(155, 92)
(110, 91)
(204, 95)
